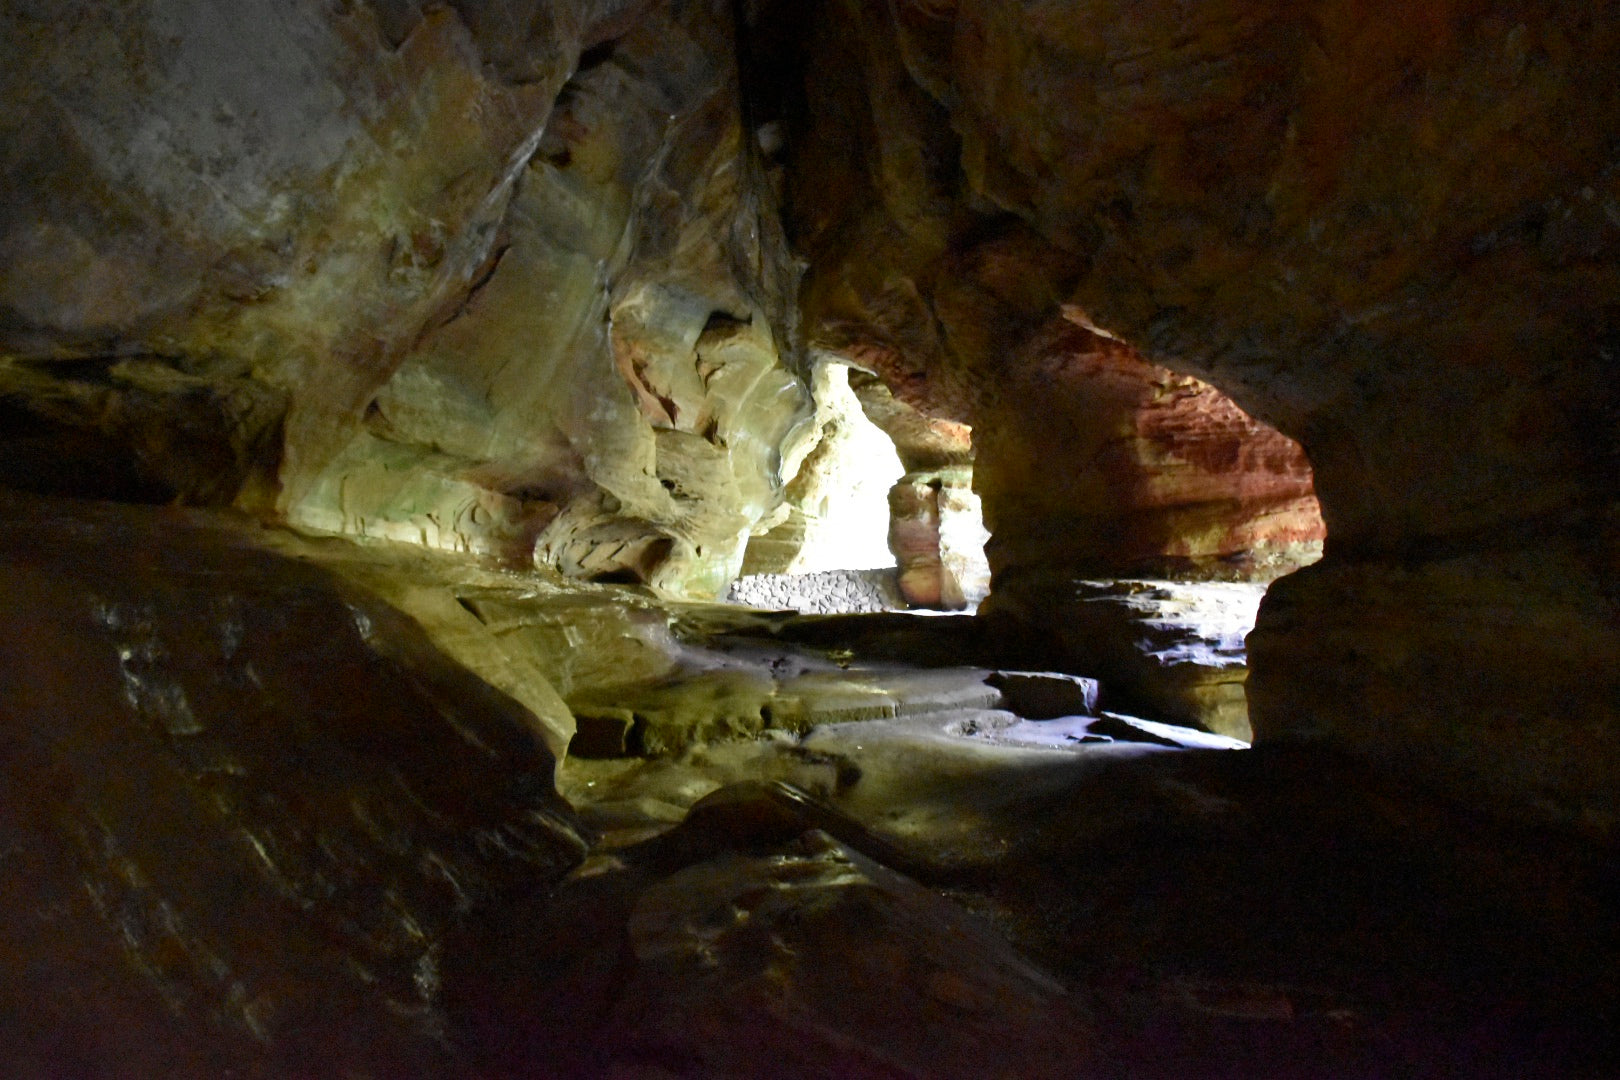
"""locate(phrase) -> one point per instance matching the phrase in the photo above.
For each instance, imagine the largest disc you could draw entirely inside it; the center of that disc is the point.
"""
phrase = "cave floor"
(959, 891)
(856, 847)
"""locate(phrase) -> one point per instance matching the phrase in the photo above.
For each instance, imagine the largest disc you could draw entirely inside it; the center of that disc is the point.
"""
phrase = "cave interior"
(932, 539)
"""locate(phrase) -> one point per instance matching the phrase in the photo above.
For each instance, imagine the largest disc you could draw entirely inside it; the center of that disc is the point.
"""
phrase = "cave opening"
(876, 517)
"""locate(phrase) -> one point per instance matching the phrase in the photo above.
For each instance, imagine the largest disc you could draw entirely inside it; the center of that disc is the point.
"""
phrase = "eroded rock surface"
(721, 945)
(501, 280)
(1131, 470)
(835, 512)
(1164, 649)
(245, 804)
(1399, 242)
(1228, 913)
(510, 280)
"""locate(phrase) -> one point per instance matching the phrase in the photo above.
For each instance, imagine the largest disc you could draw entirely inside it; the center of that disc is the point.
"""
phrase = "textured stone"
(830, 592)
(1399, 242)
(714, 698)
(936, 530)
(614, 385)
(1045, 695)
(245, 802)
(1135, 471)
(923, 441)
(721, 945)
(1168, 650)
(835, 513)
(1089, 457)
(502, 283)
(508, 279)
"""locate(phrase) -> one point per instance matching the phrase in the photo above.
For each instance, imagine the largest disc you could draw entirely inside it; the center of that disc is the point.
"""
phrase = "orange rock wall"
(1393, 234)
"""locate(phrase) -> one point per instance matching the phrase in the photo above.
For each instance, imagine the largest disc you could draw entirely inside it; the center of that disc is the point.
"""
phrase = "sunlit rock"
(612, 398)
(936, 528)
(507, 286)
(246, 193)
(836, 512)
(714, 697)
(1135, 471)
(1168, 650)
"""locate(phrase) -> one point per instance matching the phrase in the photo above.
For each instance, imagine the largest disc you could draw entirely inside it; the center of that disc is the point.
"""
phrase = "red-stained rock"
(1091, 459)
(1396, 238)
(936, 531)
(1133, 470)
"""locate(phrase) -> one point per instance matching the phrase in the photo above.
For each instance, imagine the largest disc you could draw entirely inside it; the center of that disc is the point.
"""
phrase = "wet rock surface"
(257, 822)
(555, 289)
(725, 942)
(1169, 650)
(1214, 913)
(245, 804)
(1211, 912)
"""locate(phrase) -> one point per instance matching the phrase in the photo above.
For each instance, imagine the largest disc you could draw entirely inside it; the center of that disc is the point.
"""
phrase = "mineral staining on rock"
(1399, 243)
(1136, 471)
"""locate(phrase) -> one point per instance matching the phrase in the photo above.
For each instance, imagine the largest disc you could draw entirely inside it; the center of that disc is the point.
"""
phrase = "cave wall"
(497, 278)
(1394, 235)
(509, 279)
(1091, 459)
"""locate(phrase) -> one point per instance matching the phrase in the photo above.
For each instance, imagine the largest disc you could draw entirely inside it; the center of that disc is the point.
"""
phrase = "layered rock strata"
(502, 280)
(1397, 240)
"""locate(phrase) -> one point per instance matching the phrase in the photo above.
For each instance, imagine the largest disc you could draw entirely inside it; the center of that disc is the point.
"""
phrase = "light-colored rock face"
(246, 191)
(521, 296)
(836, 512)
